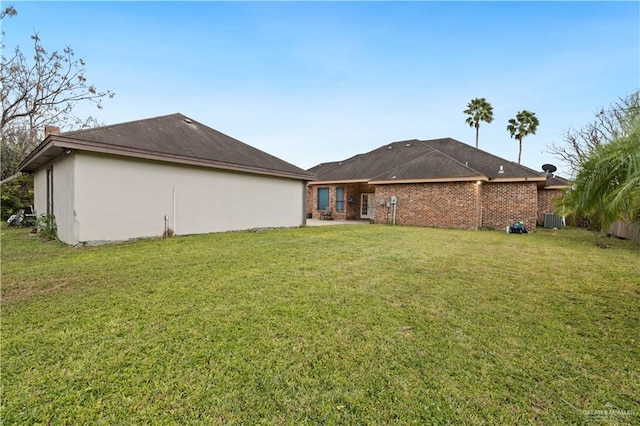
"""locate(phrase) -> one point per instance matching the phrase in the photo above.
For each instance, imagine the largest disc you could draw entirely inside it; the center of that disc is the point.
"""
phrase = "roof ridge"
(426, 154)
(171, 137)
(494, 156)
(403, 164)
(353, 157)
(383, 147)
(108, 126)
(465, 164)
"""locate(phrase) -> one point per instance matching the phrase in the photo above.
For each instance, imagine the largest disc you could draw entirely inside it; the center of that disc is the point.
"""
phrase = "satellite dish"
(549, 168)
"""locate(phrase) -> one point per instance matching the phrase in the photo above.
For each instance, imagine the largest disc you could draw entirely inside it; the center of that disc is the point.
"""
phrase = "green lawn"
(337, 325)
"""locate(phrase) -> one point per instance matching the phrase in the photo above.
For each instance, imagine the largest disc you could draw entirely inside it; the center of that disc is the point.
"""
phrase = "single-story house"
(163, 175)
(440, 183)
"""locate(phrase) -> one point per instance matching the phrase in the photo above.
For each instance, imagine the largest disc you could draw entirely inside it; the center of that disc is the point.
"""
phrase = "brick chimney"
(51, 131)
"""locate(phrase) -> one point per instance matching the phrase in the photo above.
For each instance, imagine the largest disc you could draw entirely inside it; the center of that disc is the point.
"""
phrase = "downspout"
(394, 202)
(479, 204)
(394, 213)
(305, 189)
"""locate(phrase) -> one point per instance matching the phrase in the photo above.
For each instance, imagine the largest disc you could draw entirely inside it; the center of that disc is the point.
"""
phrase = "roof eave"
(44, 152)
(57, 145)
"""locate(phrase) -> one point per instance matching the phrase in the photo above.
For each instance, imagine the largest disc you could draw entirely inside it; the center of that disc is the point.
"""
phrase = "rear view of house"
(167, 174)
(440, 183)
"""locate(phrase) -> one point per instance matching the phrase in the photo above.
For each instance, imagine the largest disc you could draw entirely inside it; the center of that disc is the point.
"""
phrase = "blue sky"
(312, 82)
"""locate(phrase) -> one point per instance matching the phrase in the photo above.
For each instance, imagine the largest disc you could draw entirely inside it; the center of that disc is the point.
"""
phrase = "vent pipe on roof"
(501, 169)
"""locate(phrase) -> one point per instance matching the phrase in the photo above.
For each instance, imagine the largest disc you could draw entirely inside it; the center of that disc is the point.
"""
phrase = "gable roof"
(173, 138)
(435, 160)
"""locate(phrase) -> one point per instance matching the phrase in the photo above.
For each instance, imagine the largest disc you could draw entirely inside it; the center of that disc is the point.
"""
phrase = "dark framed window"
(340, 199)
(323, 198)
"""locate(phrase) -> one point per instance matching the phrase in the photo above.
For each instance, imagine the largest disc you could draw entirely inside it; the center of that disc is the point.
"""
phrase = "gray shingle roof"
(174, 138)
(429, 167)
(557, 182)
(427, 160)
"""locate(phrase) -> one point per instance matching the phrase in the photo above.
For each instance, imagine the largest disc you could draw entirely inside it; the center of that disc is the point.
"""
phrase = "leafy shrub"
(47, 227)
(15, 195)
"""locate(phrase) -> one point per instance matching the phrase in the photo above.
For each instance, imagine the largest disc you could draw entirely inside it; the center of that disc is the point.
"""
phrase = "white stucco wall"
(63, 196)
(117, 198)
(40, 191)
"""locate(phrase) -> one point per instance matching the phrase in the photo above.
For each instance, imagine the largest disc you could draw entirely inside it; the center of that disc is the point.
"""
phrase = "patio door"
(367, 206)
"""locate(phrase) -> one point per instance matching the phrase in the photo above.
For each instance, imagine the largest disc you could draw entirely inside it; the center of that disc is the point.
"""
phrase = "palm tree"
(525, 123)
(478, 110)
(607, 186)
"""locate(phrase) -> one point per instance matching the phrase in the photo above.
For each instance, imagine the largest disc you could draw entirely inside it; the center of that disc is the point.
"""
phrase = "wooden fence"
(628, 230)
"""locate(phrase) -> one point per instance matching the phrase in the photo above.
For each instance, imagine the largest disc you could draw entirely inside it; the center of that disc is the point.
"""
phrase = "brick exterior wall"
(352, 193)
(462, 205)
(506, 203)
(546, 202)
(440, 205)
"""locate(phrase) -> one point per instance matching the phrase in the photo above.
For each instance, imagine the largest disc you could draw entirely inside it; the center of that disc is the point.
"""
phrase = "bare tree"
(8, 11)
(609, 124)
(40, 90)
(36, 89)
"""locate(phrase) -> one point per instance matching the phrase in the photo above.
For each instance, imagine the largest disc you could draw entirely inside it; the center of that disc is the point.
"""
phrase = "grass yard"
(336, 325)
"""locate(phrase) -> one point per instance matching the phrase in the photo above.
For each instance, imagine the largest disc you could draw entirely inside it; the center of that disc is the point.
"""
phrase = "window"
(323, 198)
(340, 199)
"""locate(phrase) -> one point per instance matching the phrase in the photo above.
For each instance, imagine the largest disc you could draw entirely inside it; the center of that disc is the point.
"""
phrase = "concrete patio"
(318, 222)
